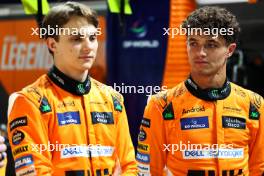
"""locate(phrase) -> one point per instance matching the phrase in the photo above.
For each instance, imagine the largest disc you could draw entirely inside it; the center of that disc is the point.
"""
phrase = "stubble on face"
(207, 55)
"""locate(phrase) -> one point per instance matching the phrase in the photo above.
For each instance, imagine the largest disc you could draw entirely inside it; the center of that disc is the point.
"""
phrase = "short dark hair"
(214, 17)
(61, 14)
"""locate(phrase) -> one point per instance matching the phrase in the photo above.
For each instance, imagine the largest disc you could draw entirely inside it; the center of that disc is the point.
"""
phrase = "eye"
(193, 44)
(211, 45)
(93, 37)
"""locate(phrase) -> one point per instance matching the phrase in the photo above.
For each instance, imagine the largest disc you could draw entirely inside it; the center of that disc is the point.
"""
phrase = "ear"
(231, 49)
(51, 43)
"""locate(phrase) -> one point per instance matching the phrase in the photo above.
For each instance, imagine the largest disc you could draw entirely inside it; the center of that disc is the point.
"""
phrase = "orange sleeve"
(151, 156)
(26, 131)
(125, 149)
(256, 148)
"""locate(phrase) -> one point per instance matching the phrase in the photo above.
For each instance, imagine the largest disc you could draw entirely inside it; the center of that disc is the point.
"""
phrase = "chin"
(202, 72)
(87, 66)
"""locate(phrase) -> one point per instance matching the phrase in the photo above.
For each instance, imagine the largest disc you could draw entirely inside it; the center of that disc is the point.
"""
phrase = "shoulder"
(106, 90)
(239, 91)
(107, 93)
(254, 97)
(162, 103)
(165, 97)
(254, 100)
(36, 93)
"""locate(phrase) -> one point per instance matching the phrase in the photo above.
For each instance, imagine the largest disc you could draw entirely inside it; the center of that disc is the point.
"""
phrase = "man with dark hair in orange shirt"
(206, 125)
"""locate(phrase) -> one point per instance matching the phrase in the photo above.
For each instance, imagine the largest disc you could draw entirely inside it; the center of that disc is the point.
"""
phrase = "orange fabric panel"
(176, 66)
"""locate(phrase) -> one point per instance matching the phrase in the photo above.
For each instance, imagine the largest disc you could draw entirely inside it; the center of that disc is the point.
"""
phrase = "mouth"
(86, 57)
(200, 62)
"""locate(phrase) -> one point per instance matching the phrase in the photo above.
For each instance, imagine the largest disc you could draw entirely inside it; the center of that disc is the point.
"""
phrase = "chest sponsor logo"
(17, 137)
(143, 147)
(21, 149)
(213, 153)
(194, 123)
(87, 151)
(98, 103)
(232, 109)
(67, 118)
(66, 104)
(23, 161)
(102, 117)
(97, 150)
(76, 151)
(20, 121)
(193, 109)
(145, 122)
(142, 136)
(143, 158)
(233, 122)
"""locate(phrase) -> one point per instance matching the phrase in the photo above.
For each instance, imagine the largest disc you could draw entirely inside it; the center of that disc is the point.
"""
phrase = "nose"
(87, 44)
(202, 51)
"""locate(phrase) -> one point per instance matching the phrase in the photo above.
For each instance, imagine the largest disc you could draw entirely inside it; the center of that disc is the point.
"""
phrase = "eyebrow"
(78, 35)
(213, 41)
(191, 40)
(209, 40)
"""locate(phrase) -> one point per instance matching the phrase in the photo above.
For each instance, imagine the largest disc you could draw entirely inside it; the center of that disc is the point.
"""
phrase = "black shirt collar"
(208, 94)
(69, 84)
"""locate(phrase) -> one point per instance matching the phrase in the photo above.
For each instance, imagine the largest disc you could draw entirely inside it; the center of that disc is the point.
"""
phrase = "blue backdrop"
(136, 54)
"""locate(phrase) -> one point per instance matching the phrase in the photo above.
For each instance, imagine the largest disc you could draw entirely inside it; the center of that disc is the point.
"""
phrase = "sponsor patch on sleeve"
(168, 113)
(44, 105)
(20, 121)
(143, 168)
(20, 150)
(253, 112)
(17, 137)
(142, 136)
(117, 104)
(145, 122)
(144, 148)
(27, 172)
(23, 161)
(142, 157)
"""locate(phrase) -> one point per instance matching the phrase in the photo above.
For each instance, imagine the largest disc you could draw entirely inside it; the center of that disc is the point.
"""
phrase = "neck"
(209, 89)
(212, 81)
(68, 83)
(74, 74)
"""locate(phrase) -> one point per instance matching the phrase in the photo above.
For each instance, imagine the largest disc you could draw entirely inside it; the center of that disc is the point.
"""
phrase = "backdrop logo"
(139, 29)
